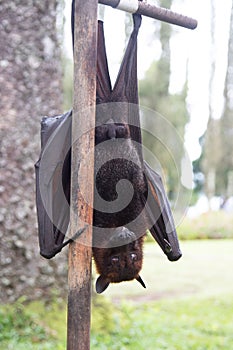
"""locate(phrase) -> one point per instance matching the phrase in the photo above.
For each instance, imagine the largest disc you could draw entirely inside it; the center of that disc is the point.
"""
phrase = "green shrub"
(17, 324)
(189, 324)
(31, 326)
(102, 320)
(210, 225)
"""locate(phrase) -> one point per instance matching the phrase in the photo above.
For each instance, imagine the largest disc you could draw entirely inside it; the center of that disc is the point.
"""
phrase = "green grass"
(193, 323)
(173, 325)
(187, 305)
(32, 326)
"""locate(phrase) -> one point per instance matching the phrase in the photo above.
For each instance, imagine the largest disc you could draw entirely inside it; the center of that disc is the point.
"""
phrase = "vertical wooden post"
(82, 173)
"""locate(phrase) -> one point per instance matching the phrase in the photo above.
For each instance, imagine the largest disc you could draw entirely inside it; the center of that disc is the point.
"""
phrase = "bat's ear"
(139, 279)
(101, 284)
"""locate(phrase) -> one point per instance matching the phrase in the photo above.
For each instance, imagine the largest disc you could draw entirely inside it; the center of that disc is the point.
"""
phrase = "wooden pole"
(152, 11)
(82, 174)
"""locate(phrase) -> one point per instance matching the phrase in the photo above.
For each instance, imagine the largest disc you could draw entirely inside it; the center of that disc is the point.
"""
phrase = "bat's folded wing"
(159, 215)
(53, 183)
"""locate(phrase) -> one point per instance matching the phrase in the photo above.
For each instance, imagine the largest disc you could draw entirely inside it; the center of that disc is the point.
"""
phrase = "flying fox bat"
(119, 222)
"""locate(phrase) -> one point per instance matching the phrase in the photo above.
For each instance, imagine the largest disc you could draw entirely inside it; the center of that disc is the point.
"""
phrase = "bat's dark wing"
(122, 99)
(161, 223)
(53, 183)
(126, 86)
(103, 82)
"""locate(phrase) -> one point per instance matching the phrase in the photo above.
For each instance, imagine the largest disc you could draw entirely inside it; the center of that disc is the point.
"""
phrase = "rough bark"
(30, 87)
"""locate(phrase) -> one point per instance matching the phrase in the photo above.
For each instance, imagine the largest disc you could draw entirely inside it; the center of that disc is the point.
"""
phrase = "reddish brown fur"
(124, 270)
(121, 261)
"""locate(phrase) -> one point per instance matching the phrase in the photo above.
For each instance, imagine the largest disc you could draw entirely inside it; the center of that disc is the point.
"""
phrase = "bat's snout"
(122, 236)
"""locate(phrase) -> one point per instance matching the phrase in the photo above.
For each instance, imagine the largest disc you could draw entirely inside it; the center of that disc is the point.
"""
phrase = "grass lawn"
(188, 305)
(205, 269)
(190, 324)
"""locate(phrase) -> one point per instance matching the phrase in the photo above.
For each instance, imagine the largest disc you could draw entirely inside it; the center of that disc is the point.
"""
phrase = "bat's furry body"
(121, 258)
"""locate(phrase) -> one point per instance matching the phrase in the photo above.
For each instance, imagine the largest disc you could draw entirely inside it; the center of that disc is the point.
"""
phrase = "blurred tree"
(154, 93)
(211, 155)
(225, 170)
(198, 176)
(30, 87)
(67, 64)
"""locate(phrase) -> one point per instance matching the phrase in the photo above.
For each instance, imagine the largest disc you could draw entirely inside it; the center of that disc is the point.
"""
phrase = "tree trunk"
(226, 120)
(30, 87)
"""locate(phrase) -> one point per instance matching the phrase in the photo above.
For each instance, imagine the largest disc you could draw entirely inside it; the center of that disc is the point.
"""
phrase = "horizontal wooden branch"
(152, 11)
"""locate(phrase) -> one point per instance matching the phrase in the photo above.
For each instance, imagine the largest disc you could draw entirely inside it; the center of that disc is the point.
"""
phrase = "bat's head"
(122, 262)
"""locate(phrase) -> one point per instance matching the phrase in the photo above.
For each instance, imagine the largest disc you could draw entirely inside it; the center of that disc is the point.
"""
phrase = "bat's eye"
(121, 131)
(133, 256)
(115, 259)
